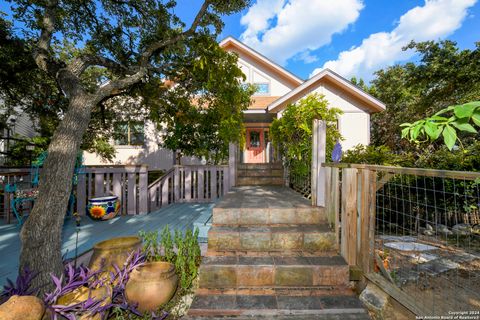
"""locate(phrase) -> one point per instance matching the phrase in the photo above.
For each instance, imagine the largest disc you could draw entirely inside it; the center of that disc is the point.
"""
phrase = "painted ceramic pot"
(151, 285)
(113, 251)
(103, 208)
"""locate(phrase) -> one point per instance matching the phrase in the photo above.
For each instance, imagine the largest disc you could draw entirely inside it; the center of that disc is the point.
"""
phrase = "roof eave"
(373, 104)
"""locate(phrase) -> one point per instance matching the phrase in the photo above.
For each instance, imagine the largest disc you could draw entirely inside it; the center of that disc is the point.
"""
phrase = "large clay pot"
(113, 251)
(151, 285)
(103, 208)
(81, 294)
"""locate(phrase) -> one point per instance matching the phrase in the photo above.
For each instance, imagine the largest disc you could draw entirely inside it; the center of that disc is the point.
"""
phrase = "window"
(254, 139)
(262, 88)
(129, 133)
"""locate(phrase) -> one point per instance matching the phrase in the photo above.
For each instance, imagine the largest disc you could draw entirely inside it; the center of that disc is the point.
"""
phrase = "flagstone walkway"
(272, 255)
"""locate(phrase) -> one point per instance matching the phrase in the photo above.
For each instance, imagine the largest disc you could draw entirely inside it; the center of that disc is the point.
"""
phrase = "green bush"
(381, 155)
(292, 133)
(467, 159)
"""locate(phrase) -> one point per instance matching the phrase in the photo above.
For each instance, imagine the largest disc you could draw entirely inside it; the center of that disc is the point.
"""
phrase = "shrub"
(292, 133)
(381, 155)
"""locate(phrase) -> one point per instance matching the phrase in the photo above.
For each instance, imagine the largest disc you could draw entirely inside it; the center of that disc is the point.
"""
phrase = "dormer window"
(262, 88)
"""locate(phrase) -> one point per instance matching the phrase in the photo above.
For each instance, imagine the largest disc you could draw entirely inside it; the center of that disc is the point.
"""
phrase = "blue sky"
(352, 37)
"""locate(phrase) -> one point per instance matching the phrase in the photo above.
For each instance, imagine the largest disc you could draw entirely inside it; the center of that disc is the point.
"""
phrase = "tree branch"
(154, 47)
(114, 86)
(41, 52)
(80, 64)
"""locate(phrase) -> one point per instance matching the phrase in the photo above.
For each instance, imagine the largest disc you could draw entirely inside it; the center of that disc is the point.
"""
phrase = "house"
(277, 88)
(19, 126)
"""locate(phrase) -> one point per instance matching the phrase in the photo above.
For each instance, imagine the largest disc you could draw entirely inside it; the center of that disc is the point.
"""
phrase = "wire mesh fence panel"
(427, 238)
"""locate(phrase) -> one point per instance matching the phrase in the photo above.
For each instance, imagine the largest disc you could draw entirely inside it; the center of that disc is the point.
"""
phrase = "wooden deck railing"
(189, 184)
(129, 183)
(370, 207)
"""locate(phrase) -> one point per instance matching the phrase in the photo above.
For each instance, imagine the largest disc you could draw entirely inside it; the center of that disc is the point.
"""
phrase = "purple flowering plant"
(21, 287)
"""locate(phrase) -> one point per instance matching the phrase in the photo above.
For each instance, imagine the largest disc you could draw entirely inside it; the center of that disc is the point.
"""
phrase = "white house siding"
(256, 73)
(150, 153)
(354, 124)
(24, 126)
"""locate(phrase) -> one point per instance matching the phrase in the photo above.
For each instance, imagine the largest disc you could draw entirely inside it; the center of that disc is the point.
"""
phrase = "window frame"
(267, 93)
(129, 132)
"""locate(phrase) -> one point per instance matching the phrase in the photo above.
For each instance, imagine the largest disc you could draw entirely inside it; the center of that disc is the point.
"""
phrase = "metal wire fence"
(417, 229)
(427, 239)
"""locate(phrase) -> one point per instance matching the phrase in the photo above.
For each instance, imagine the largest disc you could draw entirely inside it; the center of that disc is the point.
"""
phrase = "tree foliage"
(462, 118)
(292, 133)
(443, 76)
(94, 51)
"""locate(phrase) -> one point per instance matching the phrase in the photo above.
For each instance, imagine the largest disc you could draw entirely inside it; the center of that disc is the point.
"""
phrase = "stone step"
(300, 307)
(260, 173)
(273, 272)
(297, 215)
(247, 166)
(260, 181)
(309, 238)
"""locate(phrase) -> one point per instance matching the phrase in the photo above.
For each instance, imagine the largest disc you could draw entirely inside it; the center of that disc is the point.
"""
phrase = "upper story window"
(262, 88)
(129, 133)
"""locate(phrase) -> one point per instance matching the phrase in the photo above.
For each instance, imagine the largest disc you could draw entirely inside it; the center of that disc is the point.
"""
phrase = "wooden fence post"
(143, 190)
(349, 215)
(232, 166)
(318, 157)
(81, 194)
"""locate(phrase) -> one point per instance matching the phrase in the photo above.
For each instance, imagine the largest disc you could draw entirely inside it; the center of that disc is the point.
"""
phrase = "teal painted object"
(27, 192)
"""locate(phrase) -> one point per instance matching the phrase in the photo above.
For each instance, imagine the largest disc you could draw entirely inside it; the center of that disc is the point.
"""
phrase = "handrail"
(468, 175)
(161, 178)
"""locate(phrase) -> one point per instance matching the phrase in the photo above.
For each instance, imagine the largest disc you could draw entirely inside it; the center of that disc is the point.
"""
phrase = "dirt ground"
(453, 290)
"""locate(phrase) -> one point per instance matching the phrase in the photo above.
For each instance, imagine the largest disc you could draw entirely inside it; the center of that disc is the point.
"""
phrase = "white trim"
(255, 111)
(254, 53)
(317, 77)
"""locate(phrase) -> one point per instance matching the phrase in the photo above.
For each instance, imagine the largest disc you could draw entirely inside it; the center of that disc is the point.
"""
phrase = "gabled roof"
(327, 75)
(230, 43)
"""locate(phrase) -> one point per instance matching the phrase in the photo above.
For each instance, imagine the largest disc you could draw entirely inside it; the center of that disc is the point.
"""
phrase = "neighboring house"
(20, 126)
(277, 88)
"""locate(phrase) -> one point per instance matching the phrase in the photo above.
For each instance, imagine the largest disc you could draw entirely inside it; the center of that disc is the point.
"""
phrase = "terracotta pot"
(151, 285)
(113, 251)
(81, 294)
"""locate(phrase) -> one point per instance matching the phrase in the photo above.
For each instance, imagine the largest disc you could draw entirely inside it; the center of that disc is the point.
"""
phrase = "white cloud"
(284, 29)
(435, 19)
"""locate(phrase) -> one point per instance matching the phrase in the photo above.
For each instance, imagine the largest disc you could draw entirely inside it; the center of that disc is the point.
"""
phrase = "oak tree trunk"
(41, 235)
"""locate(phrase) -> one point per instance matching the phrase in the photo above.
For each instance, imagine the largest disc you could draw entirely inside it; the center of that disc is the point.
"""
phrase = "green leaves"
(431, 128)
(449, 136)
(292, 133)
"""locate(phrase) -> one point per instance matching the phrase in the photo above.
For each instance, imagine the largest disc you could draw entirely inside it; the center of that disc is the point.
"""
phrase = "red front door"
(255, 149)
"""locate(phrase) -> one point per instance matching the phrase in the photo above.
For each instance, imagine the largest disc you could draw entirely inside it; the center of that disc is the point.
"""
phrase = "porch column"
(232, 164)
(318, 157)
